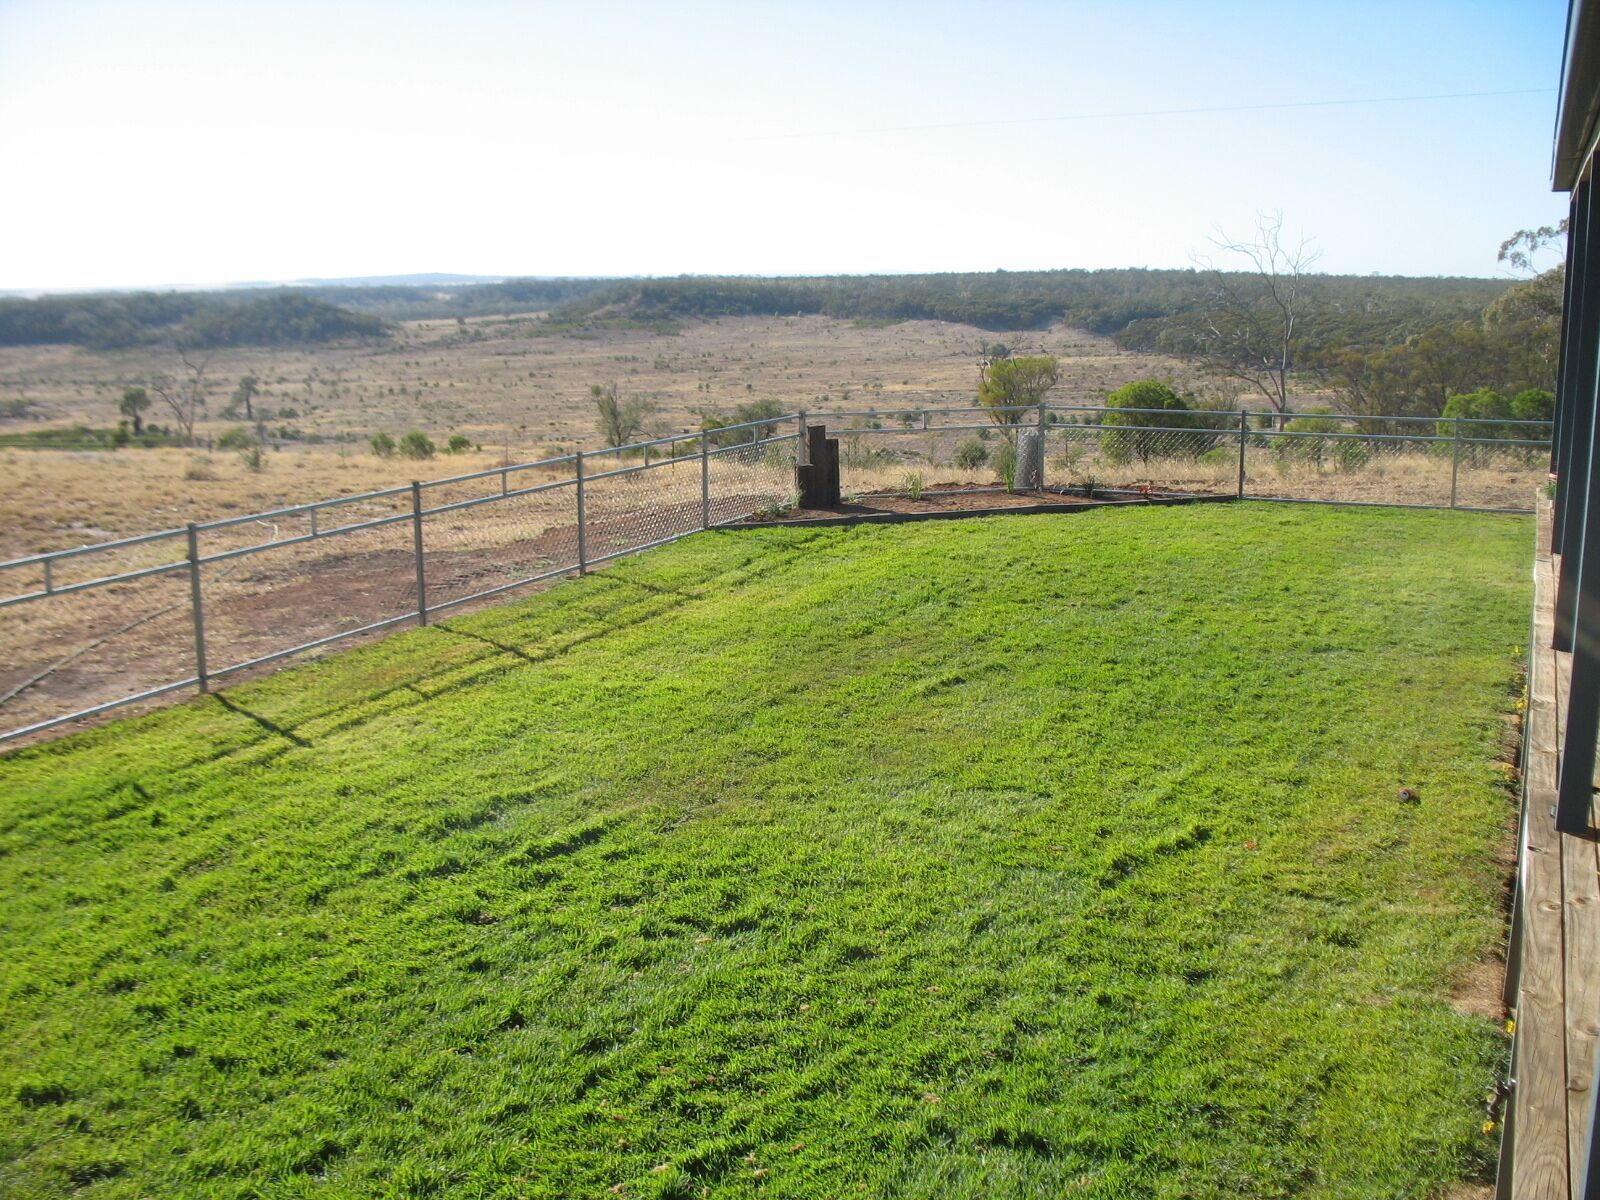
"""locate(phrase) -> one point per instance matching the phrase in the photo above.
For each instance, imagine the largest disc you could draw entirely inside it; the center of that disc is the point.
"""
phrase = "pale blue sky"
(146, 143)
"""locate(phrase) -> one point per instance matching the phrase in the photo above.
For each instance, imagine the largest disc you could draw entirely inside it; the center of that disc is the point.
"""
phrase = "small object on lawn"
(1409, 796)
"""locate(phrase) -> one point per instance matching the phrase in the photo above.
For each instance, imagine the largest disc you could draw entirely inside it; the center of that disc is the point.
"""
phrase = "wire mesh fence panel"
(288, 594)
(899, 458)
(627, 505)
(486, 545)
(1389, 468)
(79, 649)
(1501, 473)
(752, 476)
(1198, 457)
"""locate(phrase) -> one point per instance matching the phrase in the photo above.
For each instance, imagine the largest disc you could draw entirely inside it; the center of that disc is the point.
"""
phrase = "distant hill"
(1141, 309)
(1137, 307)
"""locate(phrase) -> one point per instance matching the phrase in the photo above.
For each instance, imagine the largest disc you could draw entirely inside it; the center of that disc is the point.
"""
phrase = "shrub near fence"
(95, 627)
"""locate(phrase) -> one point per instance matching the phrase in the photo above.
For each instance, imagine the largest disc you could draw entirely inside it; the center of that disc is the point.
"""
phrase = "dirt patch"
(952, 499)
(1477, 993)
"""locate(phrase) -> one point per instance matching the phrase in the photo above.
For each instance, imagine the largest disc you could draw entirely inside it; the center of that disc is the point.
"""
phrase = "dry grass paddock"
(517, 396)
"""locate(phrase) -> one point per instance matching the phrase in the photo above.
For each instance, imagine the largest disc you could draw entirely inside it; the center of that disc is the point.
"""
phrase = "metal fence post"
(583, 544)
(1244, 438)
(416, 549)
(705, 480)
(197, 611)
(1455, 462)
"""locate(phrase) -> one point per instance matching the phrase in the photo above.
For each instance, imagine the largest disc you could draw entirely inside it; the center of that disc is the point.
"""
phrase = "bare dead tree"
(184, 394)
(1253, 313)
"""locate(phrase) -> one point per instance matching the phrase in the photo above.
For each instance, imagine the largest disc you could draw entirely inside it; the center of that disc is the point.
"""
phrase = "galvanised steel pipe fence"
(101, 626)
(97, 627)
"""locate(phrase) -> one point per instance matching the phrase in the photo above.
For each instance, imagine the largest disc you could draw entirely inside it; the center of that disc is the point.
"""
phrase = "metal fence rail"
(96, 627)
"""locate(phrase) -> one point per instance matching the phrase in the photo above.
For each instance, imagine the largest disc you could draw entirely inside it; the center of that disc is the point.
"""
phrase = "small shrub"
(237, 438)
(912, 484)
(1350, 456)
(458, 444)
(971, 454)
(199, 469)
(252, 458)
(1005, 464)
(383, 445)
(417, 444)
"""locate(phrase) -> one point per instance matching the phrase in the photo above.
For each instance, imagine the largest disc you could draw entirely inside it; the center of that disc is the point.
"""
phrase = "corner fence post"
(583, 543)
(1455, 462)
(197, 610)
(416, 551)
(705, 480)
(1244, 438)
(801, 446)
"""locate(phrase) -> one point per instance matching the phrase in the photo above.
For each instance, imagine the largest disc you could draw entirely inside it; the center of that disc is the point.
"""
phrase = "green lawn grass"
(1029, 856)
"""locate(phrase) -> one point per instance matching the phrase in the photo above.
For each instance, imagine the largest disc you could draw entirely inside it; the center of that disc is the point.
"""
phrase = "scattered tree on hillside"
(1252, 319)
(185, 393)
(243, 395)
(135, 401)
(1005, 384)
(619, 419)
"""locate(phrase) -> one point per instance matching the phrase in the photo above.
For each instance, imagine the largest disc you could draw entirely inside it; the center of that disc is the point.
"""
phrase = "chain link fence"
(1431, 462)
(98, 627)
(93, 628)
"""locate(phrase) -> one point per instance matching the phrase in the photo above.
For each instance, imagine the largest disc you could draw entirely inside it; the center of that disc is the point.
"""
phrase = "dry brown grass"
(517, 396)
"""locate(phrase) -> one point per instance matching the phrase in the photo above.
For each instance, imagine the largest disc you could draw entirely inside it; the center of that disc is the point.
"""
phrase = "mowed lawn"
(1028, 856)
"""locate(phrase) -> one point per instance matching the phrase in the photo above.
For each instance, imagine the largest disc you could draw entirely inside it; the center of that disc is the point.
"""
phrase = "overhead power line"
(1154, 112)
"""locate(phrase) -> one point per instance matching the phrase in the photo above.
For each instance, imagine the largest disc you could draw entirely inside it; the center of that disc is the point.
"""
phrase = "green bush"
(383, 445)
(237, 438)
(1005, 464)
(417, 444)
(1164, 433)
(1350, 455)
(458, 444)
(971, 454)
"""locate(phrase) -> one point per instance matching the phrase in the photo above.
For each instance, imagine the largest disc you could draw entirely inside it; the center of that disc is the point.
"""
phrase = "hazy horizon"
(177, 144)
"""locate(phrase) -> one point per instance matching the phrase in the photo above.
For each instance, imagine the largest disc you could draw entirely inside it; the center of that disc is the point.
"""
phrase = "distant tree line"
(1136, 307)
(203, 320)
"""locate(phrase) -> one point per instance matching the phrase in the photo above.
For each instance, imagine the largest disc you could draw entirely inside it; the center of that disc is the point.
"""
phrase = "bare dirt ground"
(518, 397)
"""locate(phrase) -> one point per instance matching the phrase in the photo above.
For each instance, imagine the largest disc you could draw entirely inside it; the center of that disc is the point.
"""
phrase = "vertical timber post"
(1455, 463)
(198, 612)
(416, 552)
(583, 542)
(1244, 440)
(705, 480)
(800, 429)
